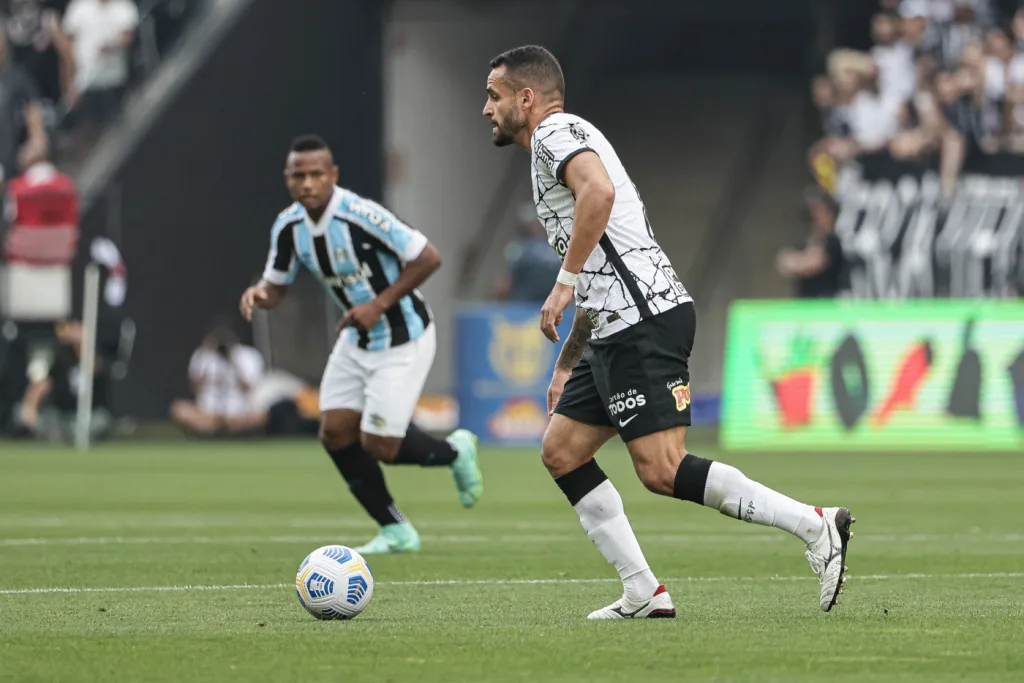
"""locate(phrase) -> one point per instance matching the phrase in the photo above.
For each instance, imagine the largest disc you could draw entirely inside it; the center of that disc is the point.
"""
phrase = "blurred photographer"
(222, 373)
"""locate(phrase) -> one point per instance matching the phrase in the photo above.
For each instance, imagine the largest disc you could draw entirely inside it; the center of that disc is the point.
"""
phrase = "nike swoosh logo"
(630, 615)
(623, 423)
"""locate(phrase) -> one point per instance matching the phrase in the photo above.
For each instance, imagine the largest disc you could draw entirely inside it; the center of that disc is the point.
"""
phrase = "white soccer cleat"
(827, 555)
(658, 607)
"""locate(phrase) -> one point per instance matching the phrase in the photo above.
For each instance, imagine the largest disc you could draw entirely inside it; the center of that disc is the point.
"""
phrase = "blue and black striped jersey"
(357, 249)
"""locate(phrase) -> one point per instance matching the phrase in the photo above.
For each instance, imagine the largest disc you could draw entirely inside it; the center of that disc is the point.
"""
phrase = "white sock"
(730, 492)
(604, 519)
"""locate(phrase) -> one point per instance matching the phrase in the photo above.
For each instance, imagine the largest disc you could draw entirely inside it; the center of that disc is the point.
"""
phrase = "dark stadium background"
(195, 197)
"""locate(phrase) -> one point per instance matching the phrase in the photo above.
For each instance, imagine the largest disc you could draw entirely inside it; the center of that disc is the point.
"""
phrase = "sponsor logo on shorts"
(623, 423)
(629, 400)
(378, 421)
(681, 392)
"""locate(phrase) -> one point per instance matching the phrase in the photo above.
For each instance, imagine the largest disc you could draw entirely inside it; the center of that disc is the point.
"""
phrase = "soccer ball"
(334, 582)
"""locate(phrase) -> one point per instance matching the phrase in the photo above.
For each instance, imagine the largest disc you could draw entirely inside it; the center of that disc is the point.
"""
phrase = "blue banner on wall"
(504, 365)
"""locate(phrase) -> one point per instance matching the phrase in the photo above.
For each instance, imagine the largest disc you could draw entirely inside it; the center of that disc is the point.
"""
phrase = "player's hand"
(555, 389)
(551, 312)
(253, 297)
(364, 316)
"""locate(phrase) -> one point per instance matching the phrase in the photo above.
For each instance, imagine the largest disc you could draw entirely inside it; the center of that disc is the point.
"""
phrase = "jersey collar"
(320, 227)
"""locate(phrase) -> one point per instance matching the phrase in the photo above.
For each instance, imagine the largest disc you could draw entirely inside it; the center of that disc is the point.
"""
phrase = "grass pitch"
(176, 562)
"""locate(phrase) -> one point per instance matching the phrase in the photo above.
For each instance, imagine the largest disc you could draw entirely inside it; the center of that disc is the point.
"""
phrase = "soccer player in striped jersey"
(371, 264)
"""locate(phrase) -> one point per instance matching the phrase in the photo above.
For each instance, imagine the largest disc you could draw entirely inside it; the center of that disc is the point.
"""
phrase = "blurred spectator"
(923, 124)
(49, 408)
(894, 58)
(1015, 89)
(826, 100)
(531, 262)
(1017, 26)
(21, 115)
(916, 30)
(42, 212)
(874, 117)
(870, 119)
(29, 30)
(817, 267)
(959, 23)
(170, 18)
(100, 34)
(999, 74)
(222, 372)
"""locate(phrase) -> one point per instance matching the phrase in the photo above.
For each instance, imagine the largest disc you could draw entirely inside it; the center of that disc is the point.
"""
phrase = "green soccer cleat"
(393, 538)
(469, 480)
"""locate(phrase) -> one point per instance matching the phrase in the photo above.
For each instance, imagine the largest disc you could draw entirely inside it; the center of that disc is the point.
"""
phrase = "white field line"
(479, 538)
(501, 582)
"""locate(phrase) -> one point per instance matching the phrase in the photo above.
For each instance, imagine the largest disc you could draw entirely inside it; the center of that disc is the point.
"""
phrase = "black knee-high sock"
(581, 481)
(420, 448)
(691, 478)
(366, 481)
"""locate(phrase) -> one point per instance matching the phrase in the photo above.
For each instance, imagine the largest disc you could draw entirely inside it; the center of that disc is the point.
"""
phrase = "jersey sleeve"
(406, 242)
(282, 266)
(558, 143)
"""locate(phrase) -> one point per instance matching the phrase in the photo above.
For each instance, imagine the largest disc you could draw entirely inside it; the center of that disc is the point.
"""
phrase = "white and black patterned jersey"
(627, 277)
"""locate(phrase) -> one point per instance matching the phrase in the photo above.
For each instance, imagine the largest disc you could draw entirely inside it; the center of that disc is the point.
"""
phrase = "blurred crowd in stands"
(942, 84)
(943, 78)
(66, 66)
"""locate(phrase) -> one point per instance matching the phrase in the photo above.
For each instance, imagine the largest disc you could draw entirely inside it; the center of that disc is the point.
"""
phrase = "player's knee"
(382, 448)
(335, 437)
(556, 456)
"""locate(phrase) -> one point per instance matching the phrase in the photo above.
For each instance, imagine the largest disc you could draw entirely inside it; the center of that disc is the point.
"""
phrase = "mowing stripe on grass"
(501, 582)
(502, 538)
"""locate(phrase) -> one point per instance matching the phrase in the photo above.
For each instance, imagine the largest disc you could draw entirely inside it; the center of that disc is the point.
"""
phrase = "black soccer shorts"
(636, 380)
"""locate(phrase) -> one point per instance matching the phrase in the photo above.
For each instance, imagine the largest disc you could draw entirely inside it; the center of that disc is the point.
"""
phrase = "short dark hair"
(308, 143)
(532, 66)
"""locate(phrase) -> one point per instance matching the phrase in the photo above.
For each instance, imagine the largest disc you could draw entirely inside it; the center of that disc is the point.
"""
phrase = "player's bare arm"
(570, 355)
(265, 295)
(588, 179)
(412, 276)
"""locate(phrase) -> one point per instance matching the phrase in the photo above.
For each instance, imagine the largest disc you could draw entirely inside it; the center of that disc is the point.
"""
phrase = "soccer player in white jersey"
(371, 263)
(639, 324)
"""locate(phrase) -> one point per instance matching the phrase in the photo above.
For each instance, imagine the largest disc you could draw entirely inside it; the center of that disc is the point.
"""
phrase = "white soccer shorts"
(382, 385)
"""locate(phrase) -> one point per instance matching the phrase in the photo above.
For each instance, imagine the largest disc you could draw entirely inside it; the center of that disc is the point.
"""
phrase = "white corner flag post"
(87, 363)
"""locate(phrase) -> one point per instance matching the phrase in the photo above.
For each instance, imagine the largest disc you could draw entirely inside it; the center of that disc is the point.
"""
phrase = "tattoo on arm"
(576, 342)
